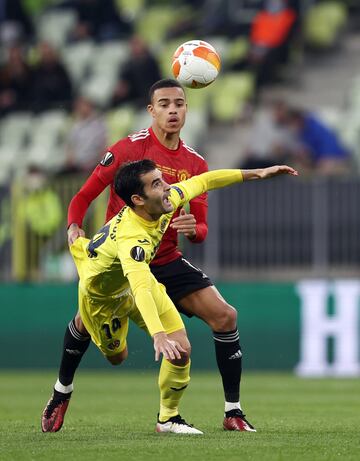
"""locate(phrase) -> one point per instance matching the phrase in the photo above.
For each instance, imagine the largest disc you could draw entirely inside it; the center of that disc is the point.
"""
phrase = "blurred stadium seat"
(323, 23)
(54, 26)
(230, 94)
(78, 59)
(46, 147)
(119, 122)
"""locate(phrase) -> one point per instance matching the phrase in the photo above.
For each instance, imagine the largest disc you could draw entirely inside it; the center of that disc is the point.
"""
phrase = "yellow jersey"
(118, 256)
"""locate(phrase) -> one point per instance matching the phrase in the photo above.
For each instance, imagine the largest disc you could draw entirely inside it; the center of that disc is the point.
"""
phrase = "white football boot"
(177, 425)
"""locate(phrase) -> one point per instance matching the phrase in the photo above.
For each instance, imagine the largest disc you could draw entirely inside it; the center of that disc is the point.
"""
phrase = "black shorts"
(180, 278)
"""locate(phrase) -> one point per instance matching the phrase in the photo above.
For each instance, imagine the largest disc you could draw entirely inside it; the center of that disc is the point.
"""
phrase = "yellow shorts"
(107, 320)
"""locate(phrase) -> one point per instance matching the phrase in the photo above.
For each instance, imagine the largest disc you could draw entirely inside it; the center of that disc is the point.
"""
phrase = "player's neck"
(139, 211)
(169, 140)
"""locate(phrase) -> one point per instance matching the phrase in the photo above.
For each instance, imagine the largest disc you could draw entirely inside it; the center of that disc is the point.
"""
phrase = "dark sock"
(229, 360)
(75, 346)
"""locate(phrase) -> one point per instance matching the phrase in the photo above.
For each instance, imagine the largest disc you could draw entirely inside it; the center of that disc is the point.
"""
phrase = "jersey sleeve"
(82, 200)
(100, 178)
(112, 159)
(132, 255)
(185, 191)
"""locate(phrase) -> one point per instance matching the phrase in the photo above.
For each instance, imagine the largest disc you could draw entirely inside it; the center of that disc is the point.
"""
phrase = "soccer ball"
(196, 64)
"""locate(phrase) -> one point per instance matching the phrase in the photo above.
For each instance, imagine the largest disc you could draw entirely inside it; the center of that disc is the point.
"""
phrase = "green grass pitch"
(112, 416)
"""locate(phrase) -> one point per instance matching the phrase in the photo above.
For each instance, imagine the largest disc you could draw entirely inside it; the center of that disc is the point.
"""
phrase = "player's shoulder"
(191, 152)
(128, 141)
(139, 136)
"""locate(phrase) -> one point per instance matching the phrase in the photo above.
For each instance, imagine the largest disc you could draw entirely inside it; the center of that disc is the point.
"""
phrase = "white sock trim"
(64, 389)
(232, 406)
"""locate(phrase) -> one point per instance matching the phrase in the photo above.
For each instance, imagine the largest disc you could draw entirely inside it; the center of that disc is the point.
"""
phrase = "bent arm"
(199, 210)
(82, 200)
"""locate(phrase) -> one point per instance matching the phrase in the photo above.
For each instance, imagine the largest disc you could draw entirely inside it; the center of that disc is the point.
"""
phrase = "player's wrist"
(73, 226)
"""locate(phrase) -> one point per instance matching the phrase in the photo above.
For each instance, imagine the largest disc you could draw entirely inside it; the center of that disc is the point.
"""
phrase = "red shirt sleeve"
(82, 200)
(199, 208)
(100, 178)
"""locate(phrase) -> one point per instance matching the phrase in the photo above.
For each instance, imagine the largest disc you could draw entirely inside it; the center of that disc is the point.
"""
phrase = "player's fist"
(185, 224)
(74, 232)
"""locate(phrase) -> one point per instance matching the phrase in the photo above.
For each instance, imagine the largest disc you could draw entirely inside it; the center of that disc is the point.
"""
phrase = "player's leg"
(174, 375)
(76, 342)
(194, 294)
(208, 305)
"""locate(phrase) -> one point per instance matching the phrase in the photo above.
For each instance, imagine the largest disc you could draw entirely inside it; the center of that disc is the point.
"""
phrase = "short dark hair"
(127, 180)
(164, 83)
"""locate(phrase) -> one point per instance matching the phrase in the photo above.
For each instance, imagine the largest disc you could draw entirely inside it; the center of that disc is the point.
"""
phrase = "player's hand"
(169, 349)
(74, 232)
(185, 224)
(277, 170)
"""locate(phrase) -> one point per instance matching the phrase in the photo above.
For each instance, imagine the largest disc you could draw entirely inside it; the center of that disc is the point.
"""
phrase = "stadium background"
(286, 252)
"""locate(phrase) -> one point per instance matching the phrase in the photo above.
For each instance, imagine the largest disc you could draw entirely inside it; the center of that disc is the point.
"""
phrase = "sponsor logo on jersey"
(144, 241)
(179, 191)
(107, 160)
(183, 175)
(137, 253)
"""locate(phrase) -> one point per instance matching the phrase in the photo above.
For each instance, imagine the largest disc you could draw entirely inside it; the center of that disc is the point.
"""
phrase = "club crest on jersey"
(137, 253)
(163, 225)
(179, 191)
(183, 175)
(107, 160)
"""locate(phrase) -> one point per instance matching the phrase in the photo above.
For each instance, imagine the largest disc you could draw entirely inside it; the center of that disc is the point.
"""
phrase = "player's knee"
(185, 356)
(119, 358)
(225, 320)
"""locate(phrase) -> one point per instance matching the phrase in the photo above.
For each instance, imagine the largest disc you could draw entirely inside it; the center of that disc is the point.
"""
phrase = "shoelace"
(179, 420)
(239, 414)
(52, 405)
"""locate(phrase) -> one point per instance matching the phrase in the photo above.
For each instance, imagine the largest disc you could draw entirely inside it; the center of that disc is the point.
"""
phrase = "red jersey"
(176, 165)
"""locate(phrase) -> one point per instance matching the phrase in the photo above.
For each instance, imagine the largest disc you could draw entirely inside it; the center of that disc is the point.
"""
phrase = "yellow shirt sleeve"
(185, 191)
(133, 256)
(141, 284)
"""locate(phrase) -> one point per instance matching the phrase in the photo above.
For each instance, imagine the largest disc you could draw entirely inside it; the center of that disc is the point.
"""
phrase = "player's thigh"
(107, 323)
(208, 304)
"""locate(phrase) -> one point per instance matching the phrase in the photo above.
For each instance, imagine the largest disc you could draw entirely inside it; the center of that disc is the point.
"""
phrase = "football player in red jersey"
(188, 287)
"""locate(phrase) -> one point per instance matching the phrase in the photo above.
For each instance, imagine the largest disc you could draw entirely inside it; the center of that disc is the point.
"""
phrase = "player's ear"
(137, 200)
(150, 109)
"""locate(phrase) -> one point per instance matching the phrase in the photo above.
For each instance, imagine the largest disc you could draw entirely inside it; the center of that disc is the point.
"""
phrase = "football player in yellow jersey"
(116, 282)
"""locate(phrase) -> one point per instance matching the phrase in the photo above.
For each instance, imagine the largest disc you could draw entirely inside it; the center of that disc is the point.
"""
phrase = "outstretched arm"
(218, 179)
(270, 172)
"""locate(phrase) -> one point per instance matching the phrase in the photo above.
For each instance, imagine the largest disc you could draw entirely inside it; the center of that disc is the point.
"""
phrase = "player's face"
(168, 109)
(156, 201)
